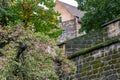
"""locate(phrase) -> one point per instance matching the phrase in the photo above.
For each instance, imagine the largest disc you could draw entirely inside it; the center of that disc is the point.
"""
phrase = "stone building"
(70, 20)
(96, 55)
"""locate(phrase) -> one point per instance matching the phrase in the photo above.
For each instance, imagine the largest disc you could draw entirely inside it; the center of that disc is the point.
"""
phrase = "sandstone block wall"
(70, 28)
(110, 30)
(102, 63)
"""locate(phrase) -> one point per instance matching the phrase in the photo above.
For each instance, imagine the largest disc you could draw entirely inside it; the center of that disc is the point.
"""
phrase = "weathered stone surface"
(71, 30)
(99, 64)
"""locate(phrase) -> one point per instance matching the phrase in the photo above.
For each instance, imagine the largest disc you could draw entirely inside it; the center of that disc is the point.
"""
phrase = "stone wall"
(70, 28)
(102, 64)
(85, 41)
(95, 37)
(97, 54)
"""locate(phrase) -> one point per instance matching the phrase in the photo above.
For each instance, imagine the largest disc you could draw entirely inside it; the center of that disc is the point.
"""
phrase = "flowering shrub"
(28, 55)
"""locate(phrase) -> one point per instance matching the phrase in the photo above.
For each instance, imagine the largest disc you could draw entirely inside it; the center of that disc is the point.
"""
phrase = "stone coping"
(110, 22)
(97, 46)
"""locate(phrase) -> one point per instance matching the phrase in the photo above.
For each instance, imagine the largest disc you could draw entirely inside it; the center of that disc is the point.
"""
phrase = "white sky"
(72, 2)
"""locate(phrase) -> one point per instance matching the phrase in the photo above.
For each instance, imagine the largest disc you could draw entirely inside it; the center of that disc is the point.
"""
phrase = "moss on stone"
(100, 70)
(98, 46)
(108, 67)
(95, 71)
(115, 56)
(85, 69)
(89, 58)
(113, 61)
(117, 66)
(97, 65)
(92, 76)
(83, 73)
(96, 61)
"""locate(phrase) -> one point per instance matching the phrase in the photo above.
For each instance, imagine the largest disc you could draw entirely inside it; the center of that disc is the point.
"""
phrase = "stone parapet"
(96, 54)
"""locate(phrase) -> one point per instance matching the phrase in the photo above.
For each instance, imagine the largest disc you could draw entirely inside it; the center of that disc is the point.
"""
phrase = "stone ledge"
(98, 46)
(115, 20)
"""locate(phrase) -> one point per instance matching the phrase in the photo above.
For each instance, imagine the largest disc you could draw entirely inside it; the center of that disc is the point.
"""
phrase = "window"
(64, 33)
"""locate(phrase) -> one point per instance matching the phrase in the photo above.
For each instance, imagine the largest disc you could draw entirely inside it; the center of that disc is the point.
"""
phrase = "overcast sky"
(72, 2)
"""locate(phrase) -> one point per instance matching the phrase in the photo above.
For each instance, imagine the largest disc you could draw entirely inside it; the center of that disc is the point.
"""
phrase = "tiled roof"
(73, 10)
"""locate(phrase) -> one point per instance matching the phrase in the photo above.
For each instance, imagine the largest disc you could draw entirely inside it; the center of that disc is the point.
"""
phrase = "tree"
(3, 14)
(98, 12)
(26, 54)
(30, 56)
(39, 13)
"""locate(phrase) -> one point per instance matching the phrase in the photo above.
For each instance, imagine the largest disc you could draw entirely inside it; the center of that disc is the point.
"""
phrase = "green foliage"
(4, 15)
(37, 62)
(98, 12)
(38, 14)
(30, 24)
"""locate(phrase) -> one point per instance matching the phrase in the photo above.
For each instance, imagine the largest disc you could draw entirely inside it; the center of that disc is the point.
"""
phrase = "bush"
(28, 55)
